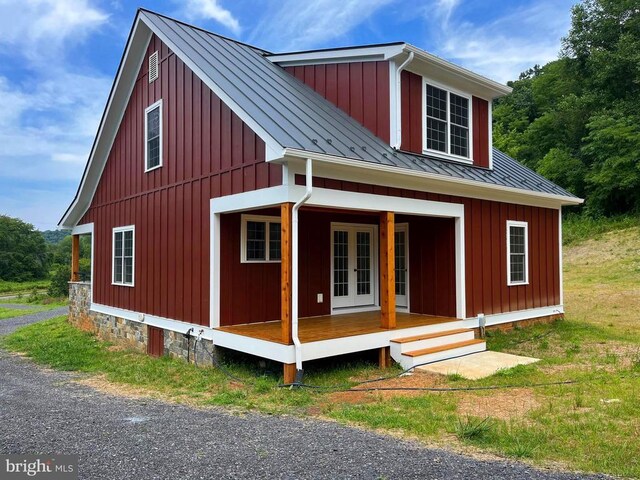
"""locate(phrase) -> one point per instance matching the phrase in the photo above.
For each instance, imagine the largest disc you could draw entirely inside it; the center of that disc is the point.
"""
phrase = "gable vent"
(153, 66)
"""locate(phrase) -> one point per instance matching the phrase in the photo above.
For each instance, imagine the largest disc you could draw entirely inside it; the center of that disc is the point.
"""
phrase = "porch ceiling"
(329, 327)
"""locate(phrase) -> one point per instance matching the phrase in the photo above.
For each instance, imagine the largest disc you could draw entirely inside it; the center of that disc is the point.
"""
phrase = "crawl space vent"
(153, 67)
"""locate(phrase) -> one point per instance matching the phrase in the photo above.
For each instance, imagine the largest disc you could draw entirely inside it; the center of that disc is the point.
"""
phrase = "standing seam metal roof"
(298, 117)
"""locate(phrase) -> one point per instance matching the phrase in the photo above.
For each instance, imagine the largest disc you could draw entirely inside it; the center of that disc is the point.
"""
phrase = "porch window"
(261, 239)
(153, 136)
(447, 122)
(123, 256)
(517, 253)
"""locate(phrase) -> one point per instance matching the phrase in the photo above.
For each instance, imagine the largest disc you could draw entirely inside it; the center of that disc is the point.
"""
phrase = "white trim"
(437, 153)
(516, 316)
(88, 229)
(262, 198)
(368, 172)
(214, 267)
(394, 100)
(150, 108)
(560, 259)
(525, 225)
(461, 288)
(344, 55)
(404, 227)
(123, 229)
(374, 267)
(267, 220)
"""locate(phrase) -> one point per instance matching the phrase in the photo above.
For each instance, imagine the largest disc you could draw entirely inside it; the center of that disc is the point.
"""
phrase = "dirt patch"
(515, 403)
(100, 383)
(364, 393)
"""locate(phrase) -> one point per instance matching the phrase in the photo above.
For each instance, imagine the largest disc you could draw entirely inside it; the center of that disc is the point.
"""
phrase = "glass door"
(353, 265)
(402, 265)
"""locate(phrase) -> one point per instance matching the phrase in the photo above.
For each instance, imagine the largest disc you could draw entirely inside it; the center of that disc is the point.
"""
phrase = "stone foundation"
(129, 334)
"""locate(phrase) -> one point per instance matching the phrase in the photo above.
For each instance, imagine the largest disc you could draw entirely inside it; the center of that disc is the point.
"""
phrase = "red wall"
(411, 119)
(361, 89)
(207, 152)
(485, 249)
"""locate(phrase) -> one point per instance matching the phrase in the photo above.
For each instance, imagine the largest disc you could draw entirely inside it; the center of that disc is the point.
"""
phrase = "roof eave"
(536, 197)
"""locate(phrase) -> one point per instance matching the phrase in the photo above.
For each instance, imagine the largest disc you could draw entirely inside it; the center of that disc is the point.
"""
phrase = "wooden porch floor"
(328, 327)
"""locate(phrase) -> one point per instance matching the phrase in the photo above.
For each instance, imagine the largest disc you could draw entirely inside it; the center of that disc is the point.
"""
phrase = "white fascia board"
(344, 55)
(517, 316)
(264, 197)
(498, 88)
(84, 229)
(343, 168)
(112, 117)
(273, 149)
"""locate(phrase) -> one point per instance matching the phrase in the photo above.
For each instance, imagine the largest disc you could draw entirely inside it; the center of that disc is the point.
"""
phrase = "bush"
(59, 286)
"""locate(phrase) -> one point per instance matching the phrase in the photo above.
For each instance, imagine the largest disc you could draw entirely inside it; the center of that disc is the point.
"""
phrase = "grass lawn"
(35, 304)
(10, 288)
(592, 424)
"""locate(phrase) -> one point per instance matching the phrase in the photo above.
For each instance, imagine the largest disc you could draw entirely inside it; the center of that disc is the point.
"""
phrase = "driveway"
(44, 411)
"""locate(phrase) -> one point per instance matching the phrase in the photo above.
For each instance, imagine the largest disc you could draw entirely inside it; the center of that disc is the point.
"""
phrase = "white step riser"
(408, 362)
(436, 342)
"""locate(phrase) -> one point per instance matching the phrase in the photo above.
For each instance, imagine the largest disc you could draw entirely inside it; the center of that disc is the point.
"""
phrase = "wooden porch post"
(75, 258)
(387, 270)
(285, 272)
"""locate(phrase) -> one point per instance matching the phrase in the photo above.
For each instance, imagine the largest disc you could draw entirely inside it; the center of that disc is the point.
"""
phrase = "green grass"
(37, 303)
(578, 228)
(591, 424)
(8, 288)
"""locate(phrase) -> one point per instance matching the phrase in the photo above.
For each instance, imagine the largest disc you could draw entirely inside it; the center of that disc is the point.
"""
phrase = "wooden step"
(427, 336)
(442, 348)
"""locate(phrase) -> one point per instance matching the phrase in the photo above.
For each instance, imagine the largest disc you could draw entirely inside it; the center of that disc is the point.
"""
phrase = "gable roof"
(287, 114)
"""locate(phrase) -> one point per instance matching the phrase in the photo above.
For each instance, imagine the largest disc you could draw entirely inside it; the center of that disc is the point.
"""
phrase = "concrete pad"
(477, 365)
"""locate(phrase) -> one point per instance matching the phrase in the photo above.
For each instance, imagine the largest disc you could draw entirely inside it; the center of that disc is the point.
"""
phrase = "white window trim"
(446, 154)
(146, 139)
(514, 223)
(243, 237)
(127, 228)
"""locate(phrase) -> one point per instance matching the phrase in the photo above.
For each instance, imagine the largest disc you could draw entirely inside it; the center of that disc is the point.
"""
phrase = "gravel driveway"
(44, 411)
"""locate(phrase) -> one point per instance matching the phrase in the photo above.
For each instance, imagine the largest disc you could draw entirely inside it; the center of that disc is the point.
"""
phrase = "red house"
(302, 205)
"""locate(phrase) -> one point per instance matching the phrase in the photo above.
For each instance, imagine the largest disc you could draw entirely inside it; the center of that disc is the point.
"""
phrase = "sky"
(58, 59)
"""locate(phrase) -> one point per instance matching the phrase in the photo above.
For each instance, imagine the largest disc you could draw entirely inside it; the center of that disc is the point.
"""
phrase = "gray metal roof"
(295, 116)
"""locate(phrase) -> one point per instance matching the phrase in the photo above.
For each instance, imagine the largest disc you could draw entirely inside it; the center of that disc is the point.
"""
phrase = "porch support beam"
(387, 270)
(285, 273)
(75, 258)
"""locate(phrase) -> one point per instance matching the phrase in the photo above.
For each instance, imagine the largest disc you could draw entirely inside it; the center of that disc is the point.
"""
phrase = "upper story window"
(517, 253)
(123, 255)
(153, 136)
(261, 239)
(448, 117)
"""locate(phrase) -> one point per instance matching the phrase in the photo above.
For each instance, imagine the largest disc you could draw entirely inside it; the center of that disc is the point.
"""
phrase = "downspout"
(294, 269)
(402, 66)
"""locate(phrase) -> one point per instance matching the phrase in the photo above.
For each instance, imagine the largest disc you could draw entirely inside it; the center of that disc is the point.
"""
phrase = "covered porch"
(345, 276)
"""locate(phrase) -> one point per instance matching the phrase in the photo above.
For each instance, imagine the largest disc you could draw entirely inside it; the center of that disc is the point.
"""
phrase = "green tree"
(23, 252)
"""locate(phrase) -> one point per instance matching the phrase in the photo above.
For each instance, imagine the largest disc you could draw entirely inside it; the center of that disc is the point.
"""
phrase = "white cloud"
(39, 28)
(211, 9)
(297, 25)
(507, 45)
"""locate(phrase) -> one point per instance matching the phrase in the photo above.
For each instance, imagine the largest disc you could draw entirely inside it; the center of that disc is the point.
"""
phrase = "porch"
(328, 327)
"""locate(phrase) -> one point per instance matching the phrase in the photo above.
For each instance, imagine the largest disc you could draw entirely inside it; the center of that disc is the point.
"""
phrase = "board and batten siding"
(411, 120)
(361, 89)
(207, 152)
(485, 250)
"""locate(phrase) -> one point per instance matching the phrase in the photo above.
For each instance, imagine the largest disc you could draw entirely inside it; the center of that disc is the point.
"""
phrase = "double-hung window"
(447, 123)
(261, 239)
(517, 253)
(153, 136)
(123, 255)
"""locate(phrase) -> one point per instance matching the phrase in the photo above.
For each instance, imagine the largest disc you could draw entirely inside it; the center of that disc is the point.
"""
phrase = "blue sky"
(58, 59)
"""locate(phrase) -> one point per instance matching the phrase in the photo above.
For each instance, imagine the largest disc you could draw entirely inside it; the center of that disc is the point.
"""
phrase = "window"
(153, 135)
(123, 248)
(517, 253)
(261, 239)
(447, 122)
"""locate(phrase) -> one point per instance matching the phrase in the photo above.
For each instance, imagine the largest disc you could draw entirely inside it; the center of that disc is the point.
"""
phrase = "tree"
(23, 252)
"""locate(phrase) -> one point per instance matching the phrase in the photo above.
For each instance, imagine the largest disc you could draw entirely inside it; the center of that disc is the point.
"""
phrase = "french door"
(354, 259)
(402, 265)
